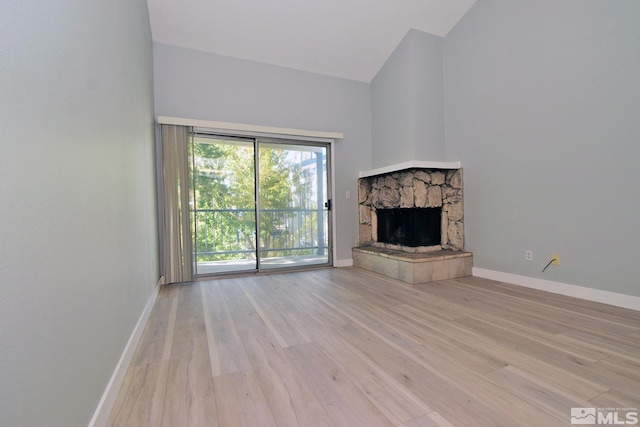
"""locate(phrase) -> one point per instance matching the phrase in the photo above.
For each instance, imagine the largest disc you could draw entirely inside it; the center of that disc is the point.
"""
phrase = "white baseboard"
(101, 415)
(343, 263)
(589, 294)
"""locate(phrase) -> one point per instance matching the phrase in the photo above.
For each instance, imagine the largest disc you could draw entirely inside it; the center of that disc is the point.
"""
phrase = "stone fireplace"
(411, 223)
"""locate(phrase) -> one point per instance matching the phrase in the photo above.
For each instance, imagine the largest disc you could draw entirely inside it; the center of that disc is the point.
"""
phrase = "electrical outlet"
(528, 255)
(556, 259)
(348, 195)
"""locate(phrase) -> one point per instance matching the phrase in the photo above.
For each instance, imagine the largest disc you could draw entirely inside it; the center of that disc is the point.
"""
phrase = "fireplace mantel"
(413, 164)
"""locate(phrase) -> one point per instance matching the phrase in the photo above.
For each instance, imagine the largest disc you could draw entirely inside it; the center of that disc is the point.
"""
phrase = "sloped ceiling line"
(349, 39)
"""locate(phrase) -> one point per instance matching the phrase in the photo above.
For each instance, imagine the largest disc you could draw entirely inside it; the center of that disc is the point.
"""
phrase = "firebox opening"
(410, 226)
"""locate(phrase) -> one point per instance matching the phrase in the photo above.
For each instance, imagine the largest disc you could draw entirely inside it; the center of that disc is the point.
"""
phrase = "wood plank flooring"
(346, 347)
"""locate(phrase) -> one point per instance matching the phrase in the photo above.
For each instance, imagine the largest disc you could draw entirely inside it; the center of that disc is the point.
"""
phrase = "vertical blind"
(176, 250)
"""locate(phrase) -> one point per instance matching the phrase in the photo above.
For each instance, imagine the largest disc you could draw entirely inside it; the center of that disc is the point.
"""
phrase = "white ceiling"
(343, 38)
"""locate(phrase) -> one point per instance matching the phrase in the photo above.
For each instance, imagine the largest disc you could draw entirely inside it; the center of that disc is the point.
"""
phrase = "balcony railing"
(223, 234)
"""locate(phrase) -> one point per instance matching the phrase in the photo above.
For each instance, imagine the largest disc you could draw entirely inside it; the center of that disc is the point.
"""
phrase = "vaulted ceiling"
(342, 38)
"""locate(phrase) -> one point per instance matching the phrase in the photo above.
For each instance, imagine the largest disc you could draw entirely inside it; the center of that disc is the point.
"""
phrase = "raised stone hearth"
(414, 268)
(387, 247)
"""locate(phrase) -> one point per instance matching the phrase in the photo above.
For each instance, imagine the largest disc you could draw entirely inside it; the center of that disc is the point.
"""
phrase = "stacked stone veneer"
(420, 188)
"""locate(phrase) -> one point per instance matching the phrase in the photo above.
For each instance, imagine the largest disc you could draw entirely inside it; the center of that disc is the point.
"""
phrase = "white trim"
(102, 412)
(589, 294)
(247, 128)
(343, 263)
(410, 165)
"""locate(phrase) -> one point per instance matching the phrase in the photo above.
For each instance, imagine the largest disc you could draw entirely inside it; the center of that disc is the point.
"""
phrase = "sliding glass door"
(284, 185)
(294, 221)
(223, 207)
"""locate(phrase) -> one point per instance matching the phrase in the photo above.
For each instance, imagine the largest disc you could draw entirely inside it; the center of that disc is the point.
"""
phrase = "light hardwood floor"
(346, 347)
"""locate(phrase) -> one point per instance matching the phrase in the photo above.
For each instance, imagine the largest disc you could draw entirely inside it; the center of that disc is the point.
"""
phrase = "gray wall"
(77, 213)
(206, 86)
(407, 103)
(542, 107)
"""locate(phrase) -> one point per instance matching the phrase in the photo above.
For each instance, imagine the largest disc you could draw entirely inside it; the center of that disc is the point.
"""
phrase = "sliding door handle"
(327, 204)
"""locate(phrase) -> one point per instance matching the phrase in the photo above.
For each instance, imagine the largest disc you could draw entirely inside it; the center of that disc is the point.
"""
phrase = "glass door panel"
(223, 210)
(293, 205)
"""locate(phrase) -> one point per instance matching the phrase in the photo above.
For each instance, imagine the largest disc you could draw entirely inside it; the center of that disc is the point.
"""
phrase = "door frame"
(328, 143)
